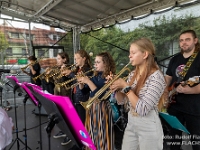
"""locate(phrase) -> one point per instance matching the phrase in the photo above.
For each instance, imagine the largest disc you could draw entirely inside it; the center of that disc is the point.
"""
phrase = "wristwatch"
(126, 89)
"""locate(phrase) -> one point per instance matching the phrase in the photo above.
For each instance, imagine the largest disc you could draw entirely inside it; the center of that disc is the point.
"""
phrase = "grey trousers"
(143, 133)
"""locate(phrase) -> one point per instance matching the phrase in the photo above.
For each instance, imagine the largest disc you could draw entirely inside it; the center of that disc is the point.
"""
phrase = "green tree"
(3, 46)
(67, 43)
(164, 32)
(107, 39)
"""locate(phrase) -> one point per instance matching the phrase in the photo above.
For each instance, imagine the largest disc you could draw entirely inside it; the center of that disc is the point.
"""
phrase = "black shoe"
(66, 141)
(59, 135)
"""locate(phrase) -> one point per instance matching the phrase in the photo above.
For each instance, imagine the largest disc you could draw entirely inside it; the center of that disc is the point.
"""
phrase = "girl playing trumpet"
(99, 117)
(142, 91)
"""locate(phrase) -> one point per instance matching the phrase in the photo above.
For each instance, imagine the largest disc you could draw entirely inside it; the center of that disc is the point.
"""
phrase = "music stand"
(26, 86)
(16, 87)
(69, 121)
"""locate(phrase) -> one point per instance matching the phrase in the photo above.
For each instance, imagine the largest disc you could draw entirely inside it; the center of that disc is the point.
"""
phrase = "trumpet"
(89, 103)
(39, 76)
(54, 71)
(72, 68)
(23, 68)
(65, 84)
(108, 93)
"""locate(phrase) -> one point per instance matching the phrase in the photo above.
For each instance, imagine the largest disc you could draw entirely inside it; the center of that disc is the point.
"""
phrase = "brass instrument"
(89, 103)
(59, 85)
(77, 83)
(54, 71)
(108, 93)
(44, 75)
(23, 68)
(72, 68)
(39, 76)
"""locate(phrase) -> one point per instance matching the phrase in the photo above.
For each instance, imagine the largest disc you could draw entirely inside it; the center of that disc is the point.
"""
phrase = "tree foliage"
(3, 46)
(3, 42)
(164, 32)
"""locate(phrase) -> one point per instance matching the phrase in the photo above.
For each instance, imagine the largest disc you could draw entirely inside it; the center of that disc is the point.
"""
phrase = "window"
(55, 52)
(41, 53)
(9, 51)
(54, 37)
(27, 36)
(24, 51)
(15, 35)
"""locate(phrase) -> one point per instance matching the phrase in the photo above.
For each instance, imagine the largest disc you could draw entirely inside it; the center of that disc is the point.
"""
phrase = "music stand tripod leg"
(25, 133)
(53, 119)
(40, 124)
(16, 123)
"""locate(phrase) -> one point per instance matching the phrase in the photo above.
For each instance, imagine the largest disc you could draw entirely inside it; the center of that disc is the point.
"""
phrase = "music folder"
(69, 121)
(173, 122)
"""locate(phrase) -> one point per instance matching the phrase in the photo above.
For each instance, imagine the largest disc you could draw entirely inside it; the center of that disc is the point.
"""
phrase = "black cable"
(109, 43)
(32, 127)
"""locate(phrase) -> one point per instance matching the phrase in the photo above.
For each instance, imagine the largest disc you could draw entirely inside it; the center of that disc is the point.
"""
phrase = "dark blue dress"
(78, 95)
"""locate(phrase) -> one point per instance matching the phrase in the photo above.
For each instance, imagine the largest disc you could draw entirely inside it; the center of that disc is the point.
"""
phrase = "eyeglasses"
(97, 62)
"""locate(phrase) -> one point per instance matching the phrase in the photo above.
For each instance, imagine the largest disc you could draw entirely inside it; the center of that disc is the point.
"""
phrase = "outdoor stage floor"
(33, 136)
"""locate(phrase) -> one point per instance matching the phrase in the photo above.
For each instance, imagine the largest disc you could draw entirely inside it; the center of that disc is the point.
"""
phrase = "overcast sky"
(194, 10)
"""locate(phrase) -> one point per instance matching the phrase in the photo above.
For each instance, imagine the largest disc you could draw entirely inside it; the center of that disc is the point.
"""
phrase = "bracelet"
(126, 89)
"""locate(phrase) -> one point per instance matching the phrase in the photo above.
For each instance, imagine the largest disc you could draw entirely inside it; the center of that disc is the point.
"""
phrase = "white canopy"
(84, 14)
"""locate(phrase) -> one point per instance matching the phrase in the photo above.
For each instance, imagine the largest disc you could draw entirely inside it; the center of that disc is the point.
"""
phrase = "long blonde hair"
(145, 45)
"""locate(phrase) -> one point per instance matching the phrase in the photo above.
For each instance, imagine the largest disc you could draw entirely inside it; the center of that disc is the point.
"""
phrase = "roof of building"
(40, 36)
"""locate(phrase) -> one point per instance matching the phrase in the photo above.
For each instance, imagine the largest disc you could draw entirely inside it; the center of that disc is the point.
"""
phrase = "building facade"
(20, 40)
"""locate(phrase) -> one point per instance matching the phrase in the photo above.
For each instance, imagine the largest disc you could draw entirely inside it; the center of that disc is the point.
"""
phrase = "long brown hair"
(88, 63)
(109, 63)
(64, 55)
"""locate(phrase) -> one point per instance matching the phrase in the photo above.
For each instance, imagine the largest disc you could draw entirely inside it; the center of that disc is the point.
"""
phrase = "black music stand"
(16, 87)
(3, 83)
(55, 117)
(39, 106)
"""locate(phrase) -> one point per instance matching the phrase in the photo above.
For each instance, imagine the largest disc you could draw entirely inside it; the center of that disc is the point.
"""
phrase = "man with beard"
(185, 104)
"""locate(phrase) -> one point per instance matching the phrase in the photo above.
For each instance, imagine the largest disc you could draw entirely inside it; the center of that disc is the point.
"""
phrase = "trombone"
(89, 103)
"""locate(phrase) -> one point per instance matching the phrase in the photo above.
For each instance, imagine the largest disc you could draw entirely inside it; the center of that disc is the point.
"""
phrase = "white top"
(6, 125)
(149, 94)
